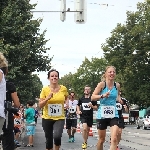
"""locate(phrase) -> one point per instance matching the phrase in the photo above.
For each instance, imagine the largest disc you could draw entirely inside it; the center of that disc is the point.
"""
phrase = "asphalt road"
(132, 139)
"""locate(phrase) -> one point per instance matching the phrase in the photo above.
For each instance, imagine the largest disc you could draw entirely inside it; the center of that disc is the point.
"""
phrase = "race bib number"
(72, 109)
(55, 109)
(107, 111)
(86, 106)
(118, 106)
(17, 121)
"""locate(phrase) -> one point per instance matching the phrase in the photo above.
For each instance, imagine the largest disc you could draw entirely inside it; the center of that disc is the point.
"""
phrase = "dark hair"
(52, 71)
(30, 103)
(87, 86)
(72, 92)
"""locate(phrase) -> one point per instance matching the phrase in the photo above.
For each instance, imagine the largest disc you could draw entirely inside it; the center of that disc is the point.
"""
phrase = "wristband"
(102, 96)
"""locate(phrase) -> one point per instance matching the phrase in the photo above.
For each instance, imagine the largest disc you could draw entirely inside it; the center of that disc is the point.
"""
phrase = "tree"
(119, 50)
(89, 73)
(24, 45)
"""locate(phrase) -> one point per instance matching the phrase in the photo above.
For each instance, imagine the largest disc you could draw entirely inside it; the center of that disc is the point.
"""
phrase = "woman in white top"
(3, 63)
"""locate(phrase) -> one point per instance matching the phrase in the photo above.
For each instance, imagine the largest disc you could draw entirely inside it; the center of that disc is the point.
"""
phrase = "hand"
(49, 96)
(90, 104)
(79, 112)
(106, 94)
(125, 106)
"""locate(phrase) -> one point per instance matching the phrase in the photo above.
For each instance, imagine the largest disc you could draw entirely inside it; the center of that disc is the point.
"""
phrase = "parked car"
(143, 122)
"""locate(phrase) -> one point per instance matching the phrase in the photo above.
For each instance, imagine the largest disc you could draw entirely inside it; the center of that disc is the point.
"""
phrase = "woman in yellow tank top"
(52, 100)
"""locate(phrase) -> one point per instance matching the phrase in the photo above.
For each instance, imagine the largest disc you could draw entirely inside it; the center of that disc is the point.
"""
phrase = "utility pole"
(79, 11)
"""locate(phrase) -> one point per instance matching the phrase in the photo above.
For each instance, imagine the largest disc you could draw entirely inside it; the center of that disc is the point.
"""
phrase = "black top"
(87, 111)
(10, 88)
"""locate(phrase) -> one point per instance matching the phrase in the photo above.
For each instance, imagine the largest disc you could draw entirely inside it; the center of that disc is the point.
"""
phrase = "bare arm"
(126, 108)
(95, 107)
(15, 99)
(118, 87)
(95, 96)
(42, 102)
(78, 110)
(1, 76)
(67, 102)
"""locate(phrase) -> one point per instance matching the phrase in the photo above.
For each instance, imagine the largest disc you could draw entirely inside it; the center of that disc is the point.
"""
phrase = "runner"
(121, 106)
(71, 117)
(86, 113)
(107, 92)
(52, 99)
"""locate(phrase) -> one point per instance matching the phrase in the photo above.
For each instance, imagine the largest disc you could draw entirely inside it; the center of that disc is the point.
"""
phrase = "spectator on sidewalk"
(36, 115)
(10, 95)
(30, 123)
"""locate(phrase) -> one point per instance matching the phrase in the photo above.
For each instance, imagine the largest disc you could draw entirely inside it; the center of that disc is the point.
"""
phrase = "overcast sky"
(70, 42)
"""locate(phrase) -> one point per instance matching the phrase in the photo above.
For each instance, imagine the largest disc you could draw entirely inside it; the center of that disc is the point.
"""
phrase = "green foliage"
(89, 73)
(24, 47)
(119, 49)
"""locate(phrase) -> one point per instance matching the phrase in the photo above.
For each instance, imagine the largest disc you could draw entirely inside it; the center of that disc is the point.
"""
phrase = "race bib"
(17, 121)
(86, 106)
(118, 106)
(72, 109)
(107, 111)
(54, 110)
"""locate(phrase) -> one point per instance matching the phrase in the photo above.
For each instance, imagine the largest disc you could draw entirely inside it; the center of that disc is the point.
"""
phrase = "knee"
(85, 129)
(57, 141)
(74, 129)
(101, 140)
(113, 139)
(119, 132)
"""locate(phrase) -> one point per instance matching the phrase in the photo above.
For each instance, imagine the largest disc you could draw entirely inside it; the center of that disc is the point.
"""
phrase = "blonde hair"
(3, 61)
(103, 78)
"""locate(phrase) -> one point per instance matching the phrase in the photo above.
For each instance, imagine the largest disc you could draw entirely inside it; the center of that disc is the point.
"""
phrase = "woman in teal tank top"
(107, 92)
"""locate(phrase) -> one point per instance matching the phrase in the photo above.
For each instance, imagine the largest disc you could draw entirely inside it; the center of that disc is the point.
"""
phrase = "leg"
(121, 126)
(89, 124)
(101, 140)
(119, 135)
(48, 129)
(74, 127)
(8, 139)
(68, 127)
(85, 132)
(2, 120)
(31, 136)
(114, 133)
(101, 126)
(58, 130)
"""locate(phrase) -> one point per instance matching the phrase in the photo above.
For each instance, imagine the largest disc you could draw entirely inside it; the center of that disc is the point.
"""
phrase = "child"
(17, 127)
(30, 122)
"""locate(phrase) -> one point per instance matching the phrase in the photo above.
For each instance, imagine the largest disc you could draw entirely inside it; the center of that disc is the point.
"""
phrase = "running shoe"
(28, 145)
(84, 145)
(70, 140)
(73, 140)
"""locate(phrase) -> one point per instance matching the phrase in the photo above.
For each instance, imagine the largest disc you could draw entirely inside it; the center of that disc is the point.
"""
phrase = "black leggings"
(53, 129)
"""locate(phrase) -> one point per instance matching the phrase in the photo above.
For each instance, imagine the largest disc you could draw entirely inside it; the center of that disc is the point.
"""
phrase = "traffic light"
(80, 11)
(63, 10)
